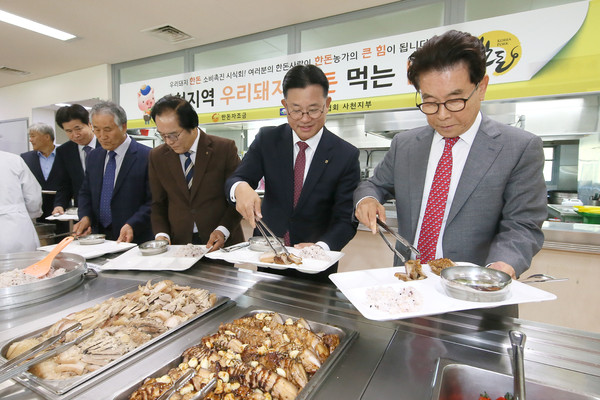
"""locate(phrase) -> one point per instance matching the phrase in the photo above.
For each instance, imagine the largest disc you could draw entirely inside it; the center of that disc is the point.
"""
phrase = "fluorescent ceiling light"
(34, 26)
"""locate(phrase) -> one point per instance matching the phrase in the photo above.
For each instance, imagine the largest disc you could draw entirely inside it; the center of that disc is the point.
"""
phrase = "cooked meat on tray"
(439, 264)
(414, 271)
(258, 357)
(121, 325)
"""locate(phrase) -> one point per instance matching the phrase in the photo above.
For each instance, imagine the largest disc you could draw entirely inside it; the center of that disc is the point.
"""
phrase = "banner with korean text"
(364, 76)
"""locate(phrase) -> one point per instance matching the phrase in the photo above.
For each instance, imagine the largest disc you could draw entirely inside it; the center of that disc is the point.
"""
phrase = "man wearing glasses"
(309, 172)
(71, 156)
(187, 174)
(466, 187)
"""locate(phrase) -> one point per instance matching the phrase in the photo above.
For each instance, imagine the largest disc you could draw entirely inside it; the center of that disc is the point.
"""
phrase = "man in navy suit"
(71, 156)
(322, 214)
(41, 162)
(115, 195)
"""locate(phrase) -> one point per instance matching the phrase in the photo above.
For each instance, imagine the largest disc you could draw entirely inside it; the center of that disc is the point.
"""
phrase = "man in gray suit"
(493, 203)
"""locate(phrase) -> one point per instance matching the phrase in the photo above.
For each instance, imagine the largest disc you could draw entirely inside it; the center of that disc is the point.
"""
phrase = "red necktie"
(298, 180)
(436, 204)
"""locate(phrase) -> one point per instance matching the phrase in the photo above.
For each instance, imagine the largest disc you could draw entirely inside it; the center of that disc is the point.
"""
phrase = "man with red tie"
(309, 172)
(466, 187)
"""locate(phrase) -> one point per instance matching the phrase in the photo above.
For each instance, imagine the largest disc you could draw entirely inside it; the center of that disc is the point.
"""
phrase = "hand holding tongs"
(261, 227)
(398, 238)
(25, 360)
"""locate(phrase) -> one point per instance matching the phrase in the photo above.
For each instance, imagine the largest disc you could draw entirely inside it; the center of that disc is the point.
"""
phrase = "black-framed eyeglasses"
(313, 113)
(452, 105)
(172, 137)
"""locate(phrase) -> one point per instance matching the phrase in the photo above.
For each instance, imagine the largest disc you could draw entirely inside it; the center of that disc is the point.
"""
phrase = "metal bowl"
(153, 247)
(259, 243)
(475, 283)
(94, 238)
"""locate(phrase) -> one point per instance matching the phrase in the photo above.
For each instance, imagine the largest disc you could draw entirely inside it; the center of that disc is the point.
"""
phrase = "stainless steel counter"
(388, 359)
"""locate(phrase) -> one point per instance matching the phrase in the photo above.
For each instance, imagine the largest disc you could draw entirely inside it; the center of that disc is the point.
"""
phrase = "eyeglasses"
(312, 113)
(172, 137)
(452, 105)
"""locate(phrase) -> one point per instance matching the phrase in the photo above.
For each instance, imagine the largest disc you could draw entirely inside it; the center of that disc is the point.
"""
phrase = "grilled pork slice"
(439, 264)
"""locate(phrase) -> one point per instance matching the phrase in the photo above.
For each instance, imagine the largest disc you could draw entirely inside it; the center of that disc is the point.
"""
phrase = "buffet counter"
(396, 359)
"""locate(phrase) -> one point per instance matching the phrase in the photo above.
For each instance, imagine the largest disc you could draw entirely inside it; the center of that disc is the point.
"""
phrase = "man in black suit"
(319, 211)
(115, 195)
(71, 156)
(41, 162)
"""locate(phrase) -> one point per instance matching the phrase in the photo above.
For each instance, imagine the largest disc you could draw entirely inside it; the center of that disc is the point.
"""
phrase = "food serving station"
(439, 356)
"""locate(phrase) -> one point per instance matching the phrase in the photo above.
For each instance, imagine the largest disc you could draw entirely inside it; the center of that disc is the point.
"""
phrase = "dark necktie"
(188, 169)
(87, 150)
(436, 204)
(108, 183)
(299, 166)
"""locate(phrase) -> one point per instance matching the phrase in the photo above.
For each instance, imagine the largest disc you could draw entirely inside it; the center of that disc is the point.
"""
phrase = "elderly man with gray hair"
(115, 195)
(40, 161)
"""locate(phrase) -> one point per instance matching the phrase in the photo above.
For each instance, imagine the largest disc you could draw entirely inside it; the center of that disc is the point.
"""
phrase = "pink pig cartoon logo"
(146, 101)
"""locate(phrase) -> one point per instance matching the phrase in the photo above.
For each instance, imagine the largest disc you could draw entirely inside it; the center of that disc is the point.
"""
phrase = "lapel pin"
(326, 161)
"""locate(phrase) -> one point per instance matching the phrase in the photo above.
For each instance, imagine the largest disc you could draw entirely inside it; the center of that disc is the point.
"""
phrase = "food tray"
(346, 337)
(167, 261)
(245, 255)
(56, 388)
(435, 301)
(92, 250)
(21, 295)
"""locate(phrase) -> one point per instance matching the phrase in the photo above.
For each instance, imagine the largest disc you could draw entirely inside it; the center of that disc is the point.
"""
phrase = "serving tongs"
(398, 238)
(262, 227)
(23, 361)
(183, 380)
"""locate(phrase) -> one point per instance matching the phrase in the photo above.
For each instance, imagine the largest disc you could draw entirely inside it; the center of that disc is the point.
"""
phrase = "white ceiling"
(110, 31)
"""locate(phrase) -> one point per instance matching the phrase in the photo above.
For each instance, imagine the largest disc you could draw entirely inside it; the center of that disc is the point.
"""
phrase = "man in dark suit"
(71, 156)
(187, 174)
(321, 213)
(494, 200)
(115, 195)
(41, 161)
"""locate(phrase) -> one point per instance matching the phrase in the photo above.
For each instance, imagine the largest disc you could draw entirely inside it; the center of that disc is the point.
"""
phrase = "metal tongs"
(23, 361)
(398, 238)
(262, 227)
(182, 381)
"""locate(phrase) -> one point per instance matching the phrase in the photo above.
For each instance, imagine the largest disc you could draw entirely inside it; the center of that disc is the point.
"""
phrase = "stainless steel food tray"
(346, 337)
(55, 388)
(21, 295)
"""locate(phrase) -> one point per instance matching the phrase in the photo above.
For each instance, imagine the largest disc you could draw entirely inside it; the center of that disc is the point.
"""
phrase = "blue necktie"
(108, 183)
(87, 150)
(188, 169)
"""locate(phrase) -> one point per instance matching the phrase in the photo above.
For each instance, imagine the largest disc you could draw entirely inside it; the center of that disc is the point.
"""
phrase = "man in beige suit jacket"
(187, 174)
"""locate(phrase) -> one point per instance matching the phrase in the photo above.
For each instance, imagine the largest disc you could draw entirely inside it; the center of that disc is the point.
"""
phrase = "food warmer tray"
(346, 337)
(58, 389)
(21, 295)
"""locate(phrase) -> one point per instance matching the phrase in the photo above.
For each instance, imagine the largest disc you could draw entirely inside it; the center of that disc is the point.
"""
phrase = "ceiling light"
(34, 26)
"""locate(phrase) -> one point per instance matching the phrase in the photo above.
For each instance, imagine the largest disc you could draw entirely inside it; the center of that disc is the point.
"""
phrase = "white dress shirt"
(460, 152)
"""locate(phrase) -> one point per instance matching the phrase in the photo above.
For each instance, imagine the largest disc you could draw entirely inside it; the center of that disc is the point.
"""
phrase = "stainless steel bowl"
(94, 238)
(259, 243)
(474, 283)
(154, 247)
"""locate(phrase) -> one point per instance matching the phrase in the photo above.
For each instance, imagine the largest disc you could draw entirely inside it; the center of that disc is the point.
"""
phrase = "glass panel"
(548, 170)
(479, 9)
(549, 153)
(251, 51)
(151, 70)
(394, 23)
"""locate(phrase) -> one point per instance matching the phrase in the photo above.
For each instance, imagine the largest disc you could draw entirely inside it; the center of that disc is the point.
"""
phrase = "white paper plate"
(92, 250)
(355, 284)
(167, 261)
(247, 256)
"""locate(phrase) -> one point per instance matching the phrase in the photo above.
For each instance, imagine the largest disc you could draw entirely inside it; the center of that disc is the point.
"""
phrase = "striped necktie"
(436, 204)
(299, 167)
(188, 167)
(108, 183)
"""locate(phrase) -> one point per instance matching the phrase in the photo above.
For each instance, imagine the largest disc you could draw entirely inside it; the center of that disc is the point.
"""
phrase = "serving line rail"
(393, 359)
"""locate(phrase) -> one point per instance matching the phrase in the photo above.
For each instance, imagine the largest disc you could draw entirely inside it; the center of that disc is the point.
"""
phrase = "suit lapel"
(416, 172)
(203, 153)
(284, 151)
(128, 162)
(173, 165)
(482, 155)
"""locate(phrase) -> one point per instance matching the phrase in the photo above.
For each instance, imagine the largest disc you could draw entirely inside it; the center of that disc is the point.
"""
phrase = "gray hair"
(42, 128)
(108, 107)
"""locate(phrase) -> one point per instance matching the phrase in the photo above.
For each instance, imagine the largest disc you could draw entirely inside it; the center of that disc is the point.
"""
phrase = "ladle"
(517, 341)
(42, 267)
